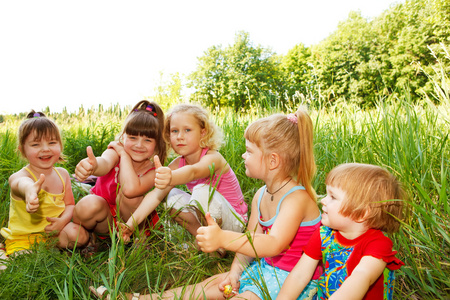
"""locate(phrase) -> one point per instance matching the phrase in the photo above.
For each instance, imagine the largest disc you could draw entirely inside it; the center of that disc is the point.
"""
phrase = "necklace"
(271, 194)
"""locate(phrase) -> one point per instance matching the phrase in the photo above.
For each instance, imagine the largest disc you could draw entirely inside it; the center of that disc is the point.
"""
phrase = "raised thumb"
(157, 162)
(210, 220)
(90, 154)
(40, 181)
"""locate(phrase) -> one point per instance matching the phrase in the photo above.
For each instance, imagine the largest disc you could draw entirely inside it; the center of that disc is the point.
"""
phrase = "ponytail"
(307, 166)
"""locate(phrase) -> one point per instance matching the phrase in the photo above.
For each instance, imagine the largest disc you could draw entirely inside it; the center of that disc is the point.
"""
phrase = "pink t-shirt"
(228, 187)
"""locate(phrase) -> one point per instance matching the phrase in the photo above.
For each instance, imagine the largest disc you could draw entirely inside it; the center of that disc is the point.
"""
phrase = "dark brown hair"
(42, 126)
(147, 119)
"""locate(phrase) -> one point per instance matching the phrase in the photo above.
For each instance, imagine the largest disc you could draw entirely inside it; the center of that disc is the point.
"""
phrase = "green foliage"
(169, 93)
(408, 138)
(362, 62)
(236, 76)
(297, 71)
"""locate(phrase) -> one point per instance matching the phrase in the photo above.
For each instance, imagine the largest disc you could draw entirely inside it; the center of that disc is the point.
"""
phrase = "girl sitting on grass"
(284, 214)
(42, 202)
(126, 171)
(194, 137)
(358, 257)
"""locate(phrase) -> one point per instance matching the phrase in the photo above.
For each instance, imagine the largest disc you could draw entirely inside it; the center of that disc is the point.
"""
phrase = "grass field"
(411, 140)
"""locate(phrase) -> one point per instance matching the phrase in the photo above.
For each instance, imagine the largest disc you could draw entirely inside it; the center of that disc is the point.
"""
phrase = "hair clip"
(36, 115)
(150, 109)
(292, 118)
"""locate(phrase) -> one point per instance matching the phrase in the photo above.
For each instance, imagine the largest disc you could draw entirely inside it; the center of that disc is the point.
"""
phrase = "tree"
(236, 76)
(297, 71)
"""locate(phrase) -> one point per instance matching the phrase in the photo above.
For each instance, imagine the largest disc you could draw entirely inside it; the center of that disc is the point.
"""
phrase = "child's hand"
(230, 285)
(87, 166)
(118, 147)
(124, 232)
(56, 225)
(209, 237)
(163, 174)
(31, 195)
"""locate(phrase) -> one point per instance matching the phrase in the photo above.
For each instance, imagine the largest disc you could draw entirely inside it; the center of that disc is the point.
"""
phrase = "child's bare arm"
(23, 187)
(363, 276)
(299, 278)
(98, 166)
(281, 234)
(147, 206)
(57, 224)
(200, 169)
(131, 183)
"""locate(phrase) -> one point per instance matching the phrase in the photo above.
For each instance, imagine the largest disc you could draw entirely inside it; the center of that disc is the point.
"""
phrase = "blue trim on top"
(312, 222)
(271, 221)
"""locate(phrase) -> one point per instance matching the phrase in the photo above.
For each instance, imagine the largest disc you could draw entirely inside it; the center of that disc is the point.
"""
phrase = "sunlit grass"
(409, 139)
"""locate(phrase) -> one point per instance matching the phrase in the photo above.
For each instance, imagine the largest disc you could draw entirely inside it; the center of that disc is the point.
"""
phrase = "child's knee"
(89, 207)
(74, 233)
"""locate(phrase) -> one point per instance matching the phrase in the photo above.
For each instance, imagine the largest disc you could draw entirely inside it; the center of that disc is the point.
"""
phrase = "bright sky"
(72, 53)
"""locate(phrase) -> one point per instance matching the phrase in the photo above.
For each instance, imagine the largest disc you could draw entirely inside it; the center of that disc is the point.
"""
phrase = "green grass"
(411, 140)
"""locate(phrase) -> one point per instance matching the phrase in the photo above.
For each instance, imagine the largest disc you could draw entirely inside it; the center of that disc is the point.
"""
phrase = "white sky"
(72, 53)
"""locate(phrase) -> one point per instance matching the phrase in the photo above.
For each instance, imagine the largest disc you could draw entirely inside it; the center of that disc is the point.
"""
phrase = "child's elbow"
(129, 192)
(275, 250)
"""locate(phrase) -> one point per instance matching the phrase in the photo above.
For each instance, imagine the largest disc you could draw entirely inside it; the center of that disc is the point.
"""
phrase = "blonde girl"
(42, 202)
(126, 170)
(196, 139)
(284, 214)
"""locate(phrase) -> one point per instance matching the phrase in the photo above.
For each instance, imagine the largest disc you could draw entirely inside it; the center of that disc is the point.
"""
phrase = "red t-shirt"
(340, 257)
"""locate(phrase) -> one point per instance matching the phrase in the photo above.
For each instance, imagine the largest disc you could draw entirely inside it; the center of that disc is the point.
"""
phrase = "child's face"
(43, 153)
(139, 147)
(253, 160)
(332, 204)
(185, 133)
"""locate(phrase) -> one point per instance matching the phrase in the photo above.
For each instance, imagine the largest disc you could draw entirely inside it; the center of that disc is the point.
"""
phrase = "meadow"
(409, 139)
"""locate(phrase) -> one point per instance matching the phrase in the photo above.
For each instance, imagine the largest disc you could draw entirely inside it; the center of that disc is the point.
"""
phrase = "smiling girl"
(42, 202)
(196, 139)
(126, 170)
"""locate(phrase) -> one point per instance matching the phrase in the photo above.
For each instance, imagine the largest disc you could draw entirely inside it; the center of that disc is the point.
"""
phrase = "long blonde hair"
(291, 137)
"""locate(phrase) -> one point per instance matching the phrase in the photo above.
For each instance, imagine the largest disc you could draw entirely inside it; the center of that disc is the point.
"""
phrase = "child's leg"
(178, 201)
(187, 220)
(73, 233)
(3, 257)
(220, 209)
(93, 213)
(209, 287)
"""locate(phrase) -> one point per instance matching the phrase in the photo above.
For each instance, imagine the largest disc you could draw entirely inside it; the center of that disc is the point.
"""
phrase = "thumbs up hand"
(31, 195)
(163, 175)
(209, 237)
(86, 166)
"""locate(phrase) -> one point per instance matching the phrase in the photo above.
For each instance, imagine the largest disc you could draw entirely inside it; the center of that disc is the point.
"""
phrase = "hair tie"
(150, 109)
(36, 115)
(292, 118)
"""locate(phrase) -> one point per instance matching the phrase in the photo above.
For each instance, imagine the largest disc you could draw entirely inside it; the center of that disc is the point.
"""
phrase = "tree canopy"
(361, 62)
